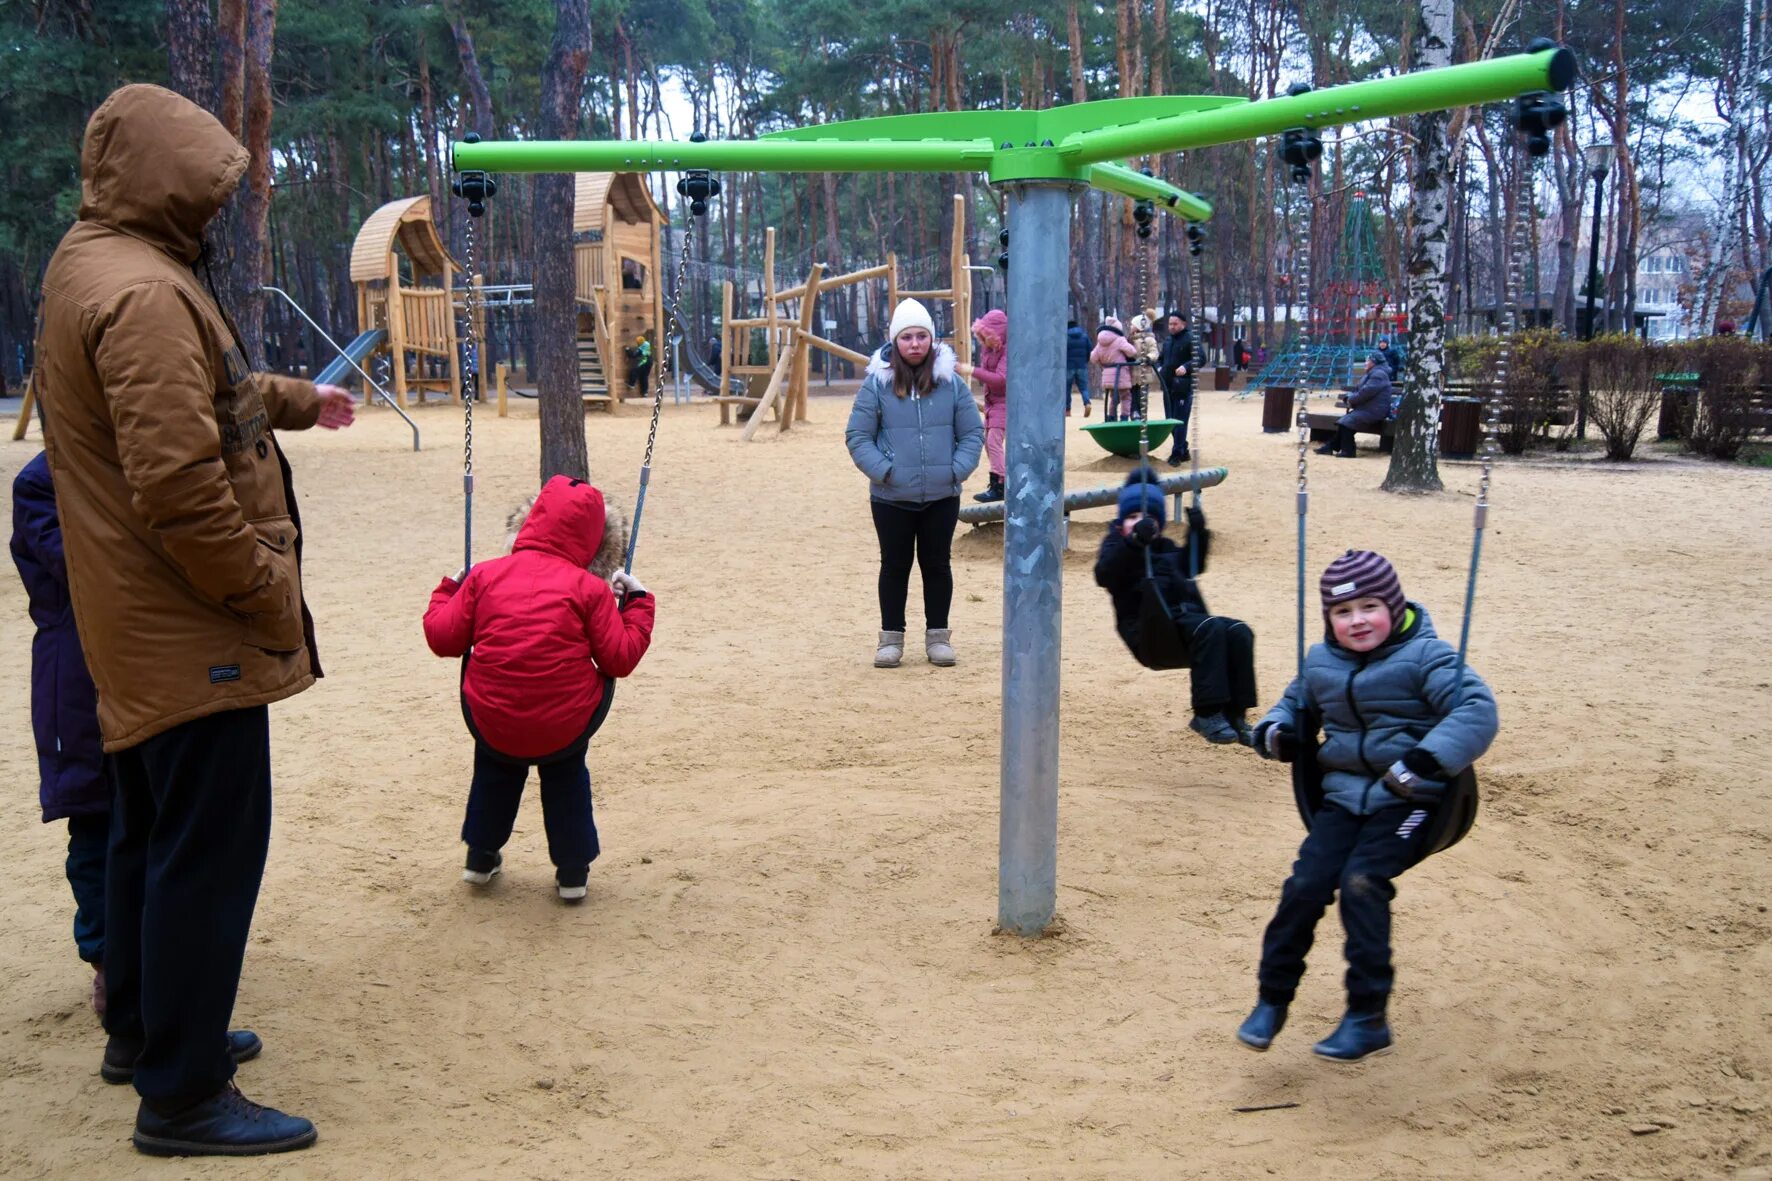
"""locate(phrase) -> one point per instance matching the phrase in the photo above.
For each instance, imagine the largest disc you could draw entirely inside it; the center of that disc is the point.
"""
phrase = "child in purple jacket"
(64, 713)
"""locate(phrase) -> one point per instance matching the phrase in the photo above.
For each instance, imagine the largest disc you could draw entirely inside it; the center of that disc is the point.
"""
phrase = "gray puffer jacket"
(1376, 706)
(915, 450)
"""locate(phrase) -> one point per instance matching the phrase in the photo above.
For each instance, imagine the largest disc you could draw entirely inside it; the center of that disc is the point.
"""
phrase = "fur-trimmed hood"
(945, 363)
(610, 550)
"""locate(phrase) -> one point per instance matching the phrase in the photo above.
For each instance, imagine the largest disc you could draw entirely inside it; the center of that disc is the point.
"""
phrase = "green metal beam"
(1075, 143)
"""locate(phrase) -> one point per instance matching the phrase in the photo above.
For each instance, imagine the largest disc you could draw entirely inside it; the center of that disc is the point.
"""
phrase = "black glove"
(1145, 530)
(1417, 777)
(1276, 741)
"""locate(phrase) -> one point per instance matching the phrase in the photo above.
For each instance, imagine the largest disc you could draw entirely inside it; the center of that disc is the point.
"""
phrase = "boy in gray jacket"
(1401, 718)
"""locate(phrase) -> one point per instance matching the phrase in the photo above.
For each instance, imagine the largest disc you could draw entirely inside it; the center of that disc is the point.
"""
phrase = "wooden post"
(477, 326)
(795, 409)
(777, 380)
(397, 333)
(771, 310)
(891, 283)
(960, 283)
(503, 408)
(24, 410)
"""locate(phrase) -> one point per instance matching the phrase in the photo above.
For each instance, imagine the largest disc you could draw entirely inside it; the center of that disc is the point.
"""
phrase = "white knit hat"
(910, 314)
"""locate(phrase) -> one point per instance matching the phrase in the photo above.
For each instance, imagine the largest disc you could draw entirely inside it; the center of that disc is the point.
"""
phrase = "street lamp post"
(1599, 163)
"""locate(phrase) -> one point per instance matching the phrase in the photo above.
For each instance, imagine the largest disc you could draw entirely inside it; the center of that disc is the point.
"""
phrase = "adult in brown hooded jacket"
(183, 549)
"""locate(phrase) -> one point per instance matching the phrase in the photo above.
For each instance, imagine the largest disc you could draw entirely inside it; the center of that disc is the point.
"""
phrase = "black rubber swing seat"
(1447, 822)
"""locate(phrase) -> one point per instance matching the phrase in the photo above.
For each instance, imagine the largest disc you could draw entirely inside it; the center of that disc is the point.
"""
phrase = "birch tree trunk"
(1413, 467)
(556, 311)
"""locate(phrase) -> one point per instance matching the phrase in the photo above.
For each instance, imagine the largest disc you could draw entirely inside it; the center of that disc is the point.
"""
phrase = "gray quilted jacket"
(1377, 705)
(915, 450)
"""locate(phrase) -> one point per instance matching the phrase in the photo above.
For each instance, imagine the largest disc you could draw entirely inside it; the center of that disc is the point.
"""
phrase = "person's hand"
(337, 408)
(1274, 740)
(1416, 778)
(1181, 371)
(1145, 530)
(625, 584)
(1196, 518)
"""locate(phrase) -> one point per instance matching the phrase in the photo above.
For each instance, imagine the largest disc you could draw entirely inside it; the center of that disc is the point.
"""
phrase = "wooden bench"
(1325, 428)
(1562, 412)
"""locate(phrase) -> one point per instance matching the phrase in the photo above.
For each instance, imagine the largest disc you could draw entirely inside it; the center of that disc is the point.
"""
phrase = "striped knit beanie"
(1358, 574)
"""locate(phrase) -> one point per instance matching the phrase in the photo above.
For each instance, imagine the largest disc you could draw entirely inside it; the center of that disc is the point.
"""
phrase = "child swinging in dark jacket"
(1221, 649)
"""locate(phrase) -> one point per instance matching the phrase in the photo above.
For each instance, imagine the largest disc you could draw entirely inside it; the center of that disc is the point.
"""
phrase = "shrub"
(1622, 389)
(1728, 370)
(1530, 398)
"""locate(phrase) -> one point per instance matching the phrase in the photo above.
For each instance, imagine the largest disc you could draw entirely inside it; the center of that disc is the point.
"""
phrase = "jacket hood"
(156, 166)
(567, 520)
(945, 363)
(1108, 334)
(995, 322)
(1417, 624)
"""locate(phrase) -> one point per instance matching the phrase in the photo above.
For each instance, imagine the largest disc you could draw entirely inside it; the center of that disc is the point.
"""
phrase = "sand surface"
(786, 965)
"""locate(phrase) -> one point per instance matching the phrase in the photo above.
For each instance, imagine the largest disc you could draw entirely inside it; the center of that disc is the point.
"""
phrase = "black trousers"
(1178, 403)
(1223, 651)
(566, 814)
(1357, 857)
(925, 532)
(190, 827)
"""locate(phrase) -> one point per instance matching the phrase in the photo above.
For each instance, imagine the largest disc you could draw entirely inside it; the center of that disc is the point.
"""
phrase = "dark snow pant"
(1357, 857)
(88, 840)
(190, 828)
(925, 532)
(566, 815)
(1222, 652)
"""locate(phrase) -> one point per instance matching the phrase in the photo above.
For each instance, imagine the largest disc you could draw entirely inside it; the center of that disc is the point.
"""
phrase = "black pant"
(1223, 656)
(1357, 856)
(1178, 403)
(927, 533)
(190, 827)
(88, 839)
(497, 790)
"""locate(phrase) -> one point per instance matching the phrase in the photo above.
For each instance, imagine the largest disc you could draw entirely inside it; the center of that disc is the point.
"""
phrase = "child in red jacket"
(548, 640)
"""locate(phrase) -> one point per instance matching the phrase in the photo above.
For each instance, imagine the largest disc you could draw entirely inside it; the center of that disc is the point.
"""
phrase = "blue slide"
(340, 371)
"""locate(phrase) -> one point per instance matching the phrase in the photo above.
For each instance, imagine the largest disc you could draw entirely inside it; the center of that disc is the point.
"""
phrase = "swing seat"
(1124, 437)
(1446, 824)
(1162, 644)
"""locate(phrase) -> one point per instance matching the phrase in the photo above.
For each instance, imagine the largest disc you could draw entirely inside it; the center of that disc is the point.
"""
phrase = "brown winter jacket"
(182, 537)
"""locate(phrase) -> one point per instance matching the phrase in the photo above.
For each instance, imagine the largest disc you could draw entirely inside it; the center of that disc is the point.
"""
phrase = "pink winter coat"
(1115, 354)
(992, 368)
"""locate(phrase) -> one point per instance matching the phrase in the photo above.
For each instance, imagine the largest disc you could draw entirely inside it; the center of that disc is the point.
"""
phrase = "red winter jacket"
(544, 630)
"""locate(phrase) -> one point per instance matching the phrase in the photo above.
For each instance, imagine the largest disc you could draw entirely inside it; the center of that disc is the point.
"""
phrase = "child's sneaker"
(1214, 729)
(571, 883)
(482, 866)
(1262, 1025)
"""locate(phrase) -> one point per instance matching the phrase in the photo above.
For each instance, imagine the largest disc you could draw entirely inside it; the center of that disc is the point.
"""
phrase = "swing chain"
(664, 359)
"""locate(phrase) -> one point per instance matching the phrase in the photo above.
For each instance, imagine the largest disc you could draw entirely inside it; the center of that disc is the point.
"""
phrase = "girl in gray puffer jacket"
(1401, 718)
(915, 432)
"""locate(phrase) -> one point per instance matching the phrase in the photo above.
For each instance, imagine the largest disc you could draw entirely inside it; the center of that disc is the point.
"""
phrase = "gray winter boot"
(936, 644)
(890, 651)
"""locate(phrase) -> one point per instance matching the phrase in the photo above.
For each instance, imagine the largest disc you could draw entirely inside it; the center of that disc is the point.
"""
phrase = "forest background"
(346, 104)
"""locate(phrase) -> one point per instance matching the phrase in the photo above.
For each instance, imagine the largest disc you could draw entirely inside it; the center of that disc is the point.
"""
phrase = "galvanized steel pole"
(1039, 223)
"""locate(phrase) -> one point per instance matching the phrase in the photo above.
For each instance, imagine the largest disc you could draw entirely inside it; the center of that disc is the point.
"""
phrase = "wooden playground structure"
(415, 315)
(789, 338)
(617, 261)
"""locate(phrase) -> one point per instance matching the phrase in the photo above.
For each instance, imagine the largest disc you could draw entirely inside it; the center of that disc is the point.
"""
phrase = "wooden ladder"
(593, 382)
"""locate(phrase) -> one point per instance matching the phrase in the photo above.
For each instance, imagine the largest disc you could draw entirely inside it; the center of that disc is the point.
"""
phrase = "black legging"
(926, 532)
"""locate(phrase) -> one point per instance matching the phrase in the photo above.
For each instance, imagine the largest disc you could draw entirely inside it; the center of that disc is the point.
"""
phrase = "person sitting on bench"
(1367, 408)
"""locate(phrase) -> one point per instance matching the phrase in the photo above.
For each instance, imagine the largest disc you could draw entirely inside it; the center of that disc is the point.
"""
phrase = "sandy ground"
(786, 967)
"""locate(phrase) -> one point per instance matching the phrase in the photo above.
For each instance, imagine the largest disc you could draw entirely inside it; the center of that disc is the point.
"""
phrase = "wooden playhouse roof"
(409, 221)
(599, 193)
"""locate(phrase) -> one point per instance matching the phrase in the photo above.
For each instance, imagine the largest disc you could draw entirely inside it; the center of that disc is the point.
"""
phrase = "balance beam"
(1209, 477)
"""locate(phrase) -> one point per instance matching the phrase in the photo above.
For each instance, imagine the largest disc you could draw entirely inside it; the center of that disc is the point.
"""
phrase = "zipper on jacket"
(1352, 704)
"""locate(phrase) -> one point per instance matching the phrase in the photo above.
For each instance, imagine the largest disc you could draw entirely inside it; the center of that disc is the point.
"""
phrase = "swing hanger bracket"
(474, 185)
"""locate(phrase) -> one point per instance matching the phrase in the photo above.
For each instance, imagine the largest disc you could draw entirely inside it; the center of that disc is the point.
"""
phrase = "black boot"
(992, 493)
